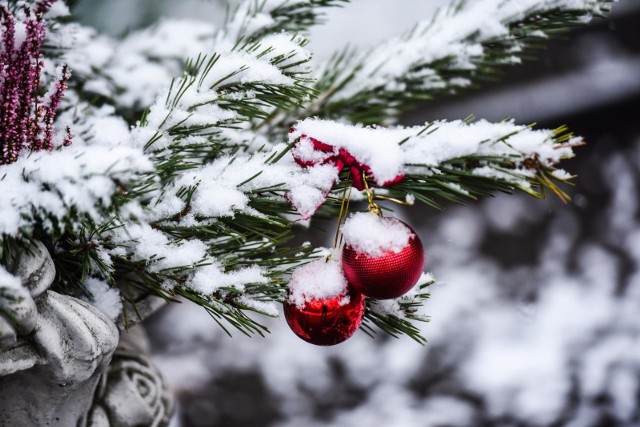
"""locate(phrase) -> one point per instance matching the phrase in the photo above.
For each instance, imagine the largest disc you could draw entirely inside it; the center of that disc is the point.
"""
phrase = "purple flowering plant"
(26, 117)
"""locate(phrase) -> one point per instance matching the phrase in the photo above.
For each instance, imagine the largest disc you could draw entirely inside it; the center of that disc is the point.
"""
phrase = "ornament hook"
(373, 207)
(344, 209)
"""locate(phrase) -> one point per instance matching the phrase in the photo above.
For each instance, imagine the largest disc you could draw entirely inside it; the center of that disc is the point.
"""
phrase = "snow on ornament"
(363, 151)
(321, 307)
(382, 257)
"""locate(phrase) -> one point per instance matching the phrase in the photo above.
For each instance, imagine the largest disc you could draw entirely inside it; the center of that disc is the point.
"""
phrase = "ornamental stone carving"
(64, 363)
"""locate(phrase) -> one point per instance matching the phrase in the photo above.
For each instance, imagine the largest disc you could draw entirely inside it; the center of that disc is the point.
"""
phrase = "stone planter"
(64, 363)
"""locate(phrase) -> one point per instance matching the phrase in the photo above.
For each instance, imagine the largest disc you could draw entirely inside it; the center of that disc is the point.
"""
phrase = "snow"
(104, 297)
(157, 249)
(391, 152)
(211, 278)
(369, 234)
(310, 188)
(393, 307)
(456, 139)
(46, 185)
(58, 9)
(7, 280)
(377, 148)
(318, 280)
(456, 34)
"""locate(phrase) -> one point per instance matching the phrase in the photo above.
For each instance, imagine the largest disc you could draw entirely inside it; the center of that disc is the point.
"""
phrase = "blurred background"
(536, 316)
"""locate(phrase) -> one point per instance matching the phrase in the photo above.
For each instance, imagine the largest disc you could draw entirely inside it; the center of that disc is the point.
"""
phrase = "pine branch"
(210, 108)
(230, 256)
(254, 19)
(198, 196)
(464, 44)
(481, 174)
(447, 161)
(114, 76)
(397, 317)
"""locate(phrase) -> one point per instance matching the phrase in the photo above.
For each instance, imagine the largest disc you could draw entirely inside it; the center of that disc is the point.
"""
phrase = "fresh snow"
(369, 234)
(211, 278)
(48, 184)
(104, 297)
(393, 307)
(376, 147)
(456, 34)
(423, 149)
(107, 156)
(7, 280)
(318, 280)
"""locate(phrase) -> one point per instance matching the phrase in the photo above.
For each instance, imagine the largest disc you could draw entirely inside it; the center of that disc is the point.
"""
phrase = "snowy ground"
(534, 322)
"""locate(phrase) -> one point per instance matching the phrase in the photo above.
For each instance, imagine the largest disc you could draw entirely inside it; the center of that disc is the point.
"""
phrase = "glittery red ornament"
(326, 322)
(389, 275)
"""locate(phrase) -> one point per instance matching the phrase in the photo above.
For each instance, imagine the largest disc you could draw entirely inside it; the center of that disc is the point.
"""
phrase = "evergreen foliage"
(200, 168)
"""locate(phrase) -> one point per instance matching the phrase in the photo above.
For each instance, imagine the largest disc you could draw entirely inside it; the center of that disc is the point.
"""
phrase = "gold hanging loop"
(373, 207)
(344, 209)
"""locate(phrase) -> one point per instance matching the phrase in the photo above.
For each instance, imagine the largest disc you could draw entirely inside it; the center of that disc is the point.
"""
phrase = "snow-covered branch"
(210, 109)
(254, 19)
(442, 160)
(454, 49)
(196, 196)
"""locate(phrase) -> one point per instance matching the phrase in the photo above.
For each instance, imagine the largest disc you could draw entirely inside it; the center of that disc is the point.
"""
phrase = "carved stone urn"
(65, 363)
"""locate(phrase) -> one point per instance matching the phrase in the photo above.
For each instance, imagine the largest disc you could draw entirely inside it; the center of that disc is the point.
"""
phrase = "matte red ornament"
(387, 276)
(326, 322)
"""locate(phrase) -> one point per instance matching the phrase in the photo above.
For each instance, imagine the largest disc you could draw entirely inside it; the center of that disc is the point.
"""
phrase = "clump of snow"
(104, 297)
(305, 151)
(210, 278)
(378, 148)
(47, 185)
(319, 280)
(8, 280)
(457, 139)
(310, 187)
(263, 307)
(57, 10)
(393, 307)
(146, 243)
(370, 234)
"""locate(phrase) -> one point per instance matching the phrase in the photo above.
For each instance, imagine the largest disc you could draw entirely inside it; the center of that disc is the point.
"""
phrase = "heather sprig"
(26, 119)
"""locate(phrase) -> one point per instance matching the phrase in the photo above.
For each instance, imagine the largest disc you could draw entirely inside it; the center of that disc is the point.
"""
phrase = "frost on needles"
(183, 179)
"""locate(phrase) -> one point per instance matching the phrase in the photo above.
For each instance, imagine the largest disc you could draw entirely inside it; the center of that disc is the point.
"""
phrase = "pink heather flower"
(26, 120)
(43, 6)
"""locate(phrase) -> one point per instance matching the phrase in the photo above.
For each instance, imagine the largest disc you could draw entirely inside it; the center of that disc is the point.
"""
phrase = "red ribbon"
(342, 159)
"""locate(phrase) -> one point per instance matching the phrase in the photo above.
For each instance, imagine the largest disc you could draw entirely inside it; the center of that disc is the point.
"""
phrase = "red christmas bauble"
(326, 322)
(389, 275)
